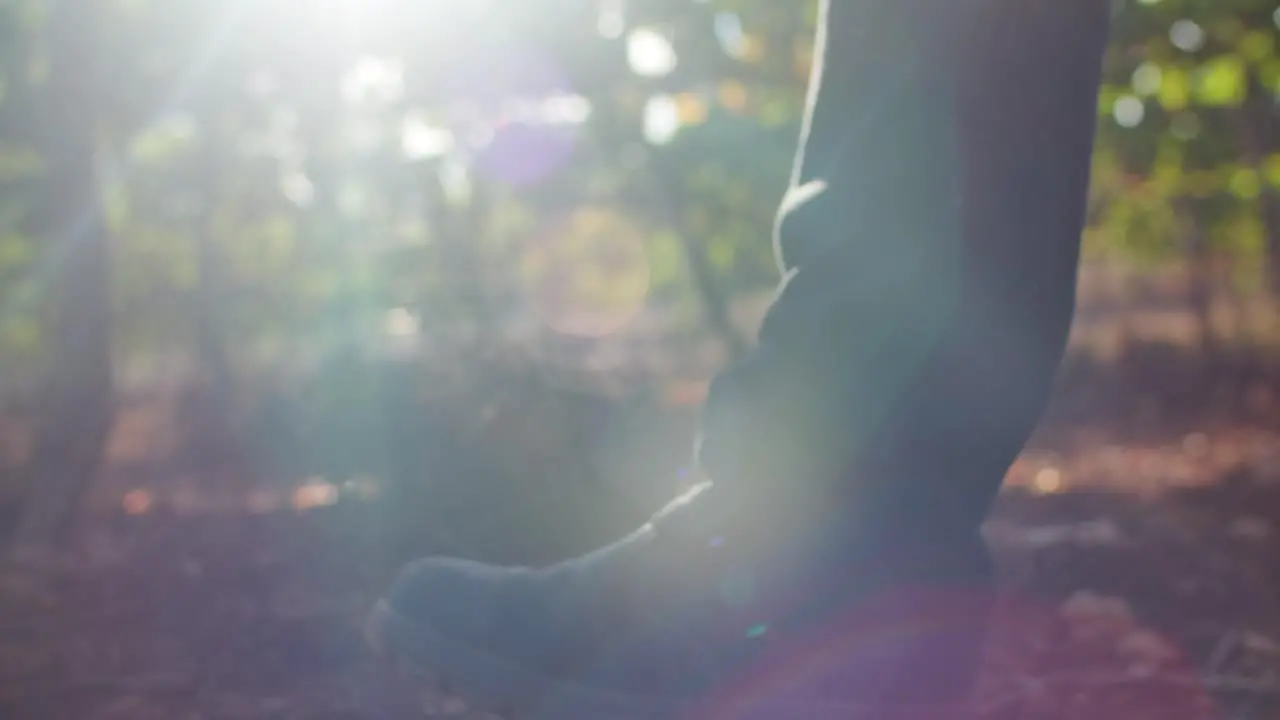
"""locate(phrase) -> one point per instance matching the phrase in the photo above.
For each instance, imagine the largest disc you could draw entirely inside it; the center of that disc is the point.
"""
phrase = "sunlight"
(373, 81)
(1187, 35)
(1129, 111)
(1148, 78)
(401, 323)
(650, 54)
(661, 119)
(564, 109)
(420, 140)
(728, 29)
(611, 22)
(297, 188)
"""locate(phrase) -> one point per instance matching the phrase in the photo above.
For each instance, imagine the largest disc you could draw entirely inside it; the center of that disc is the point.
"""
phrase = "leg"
(930, 245)
(1024, 153)
(869, 240)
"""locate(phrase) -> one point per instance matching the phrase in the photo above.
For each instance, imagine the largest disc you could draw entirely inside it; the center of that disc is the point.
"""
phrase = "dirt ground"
(1143, 583)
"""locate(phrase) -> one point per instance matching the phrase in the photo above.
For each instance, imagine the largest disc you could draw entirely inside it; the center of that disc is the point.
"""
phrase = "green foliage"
(1205, 77)
(312, 170)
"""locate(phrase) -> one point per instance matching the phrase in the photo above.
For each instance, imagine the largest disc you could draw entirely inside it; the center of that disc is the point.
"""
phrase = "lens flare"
(521, 117)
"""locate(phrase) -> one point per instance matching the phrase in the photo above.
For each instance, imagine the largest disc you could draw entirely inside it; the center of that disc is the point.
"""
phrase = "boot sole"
(461, 682)
(465, 682)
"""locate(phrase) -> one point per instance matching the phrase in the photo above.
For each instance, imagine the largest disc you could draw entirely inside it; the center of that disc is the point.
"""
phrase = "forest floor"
(1148, 579)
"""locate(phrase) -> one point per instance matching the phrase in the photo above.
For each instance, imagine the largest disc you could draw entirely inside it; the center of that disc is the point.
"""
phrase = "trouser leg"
(929, 247)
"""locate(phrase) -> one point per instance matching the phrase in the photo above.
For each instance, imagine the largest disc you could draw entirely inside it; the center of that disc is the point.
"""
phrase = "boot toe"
(444, 592)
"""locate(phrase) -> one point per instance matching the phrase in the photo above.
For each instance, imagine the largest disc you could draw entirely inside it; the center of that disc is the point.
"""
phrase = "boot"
(695, 615)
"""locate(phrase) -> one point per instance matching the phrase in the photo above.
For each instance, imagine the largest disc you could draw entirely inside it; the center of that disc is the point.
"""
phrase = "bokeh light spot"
(612, 21)
(661, 119)
(1048, 481)
(420, 140)
(315, 494)
(137, 502)
(1129, 111)
(401, 323)
(649, 53)
(1148, 78)
(1196, 445)
(373, 80)
(1187, 35)
(728, 29)
(732, 95)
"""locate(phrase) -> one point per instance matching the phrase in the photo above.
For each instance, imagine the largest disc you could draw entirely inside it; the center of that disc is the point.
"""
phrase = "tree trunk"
(1199, 281)
(210, 345)
(715, 302)
(711, 292)
(1257, 131)
(76, 411)
(211, 447)
(1270, 207)
(458, 223)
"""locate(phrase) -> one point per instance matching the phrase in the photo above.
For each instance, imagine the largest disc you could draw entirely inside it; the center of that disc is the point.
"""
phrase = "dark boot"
(696, 616)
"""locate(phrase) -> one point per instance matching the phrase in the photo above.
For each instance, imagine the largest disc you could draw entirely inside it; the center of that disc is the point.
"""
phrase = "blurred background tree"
(443, 253)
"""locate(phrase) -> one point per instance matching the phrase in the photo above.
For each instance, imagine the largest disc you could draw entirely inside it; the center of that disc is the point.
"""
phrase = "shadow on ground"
(245, 616)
